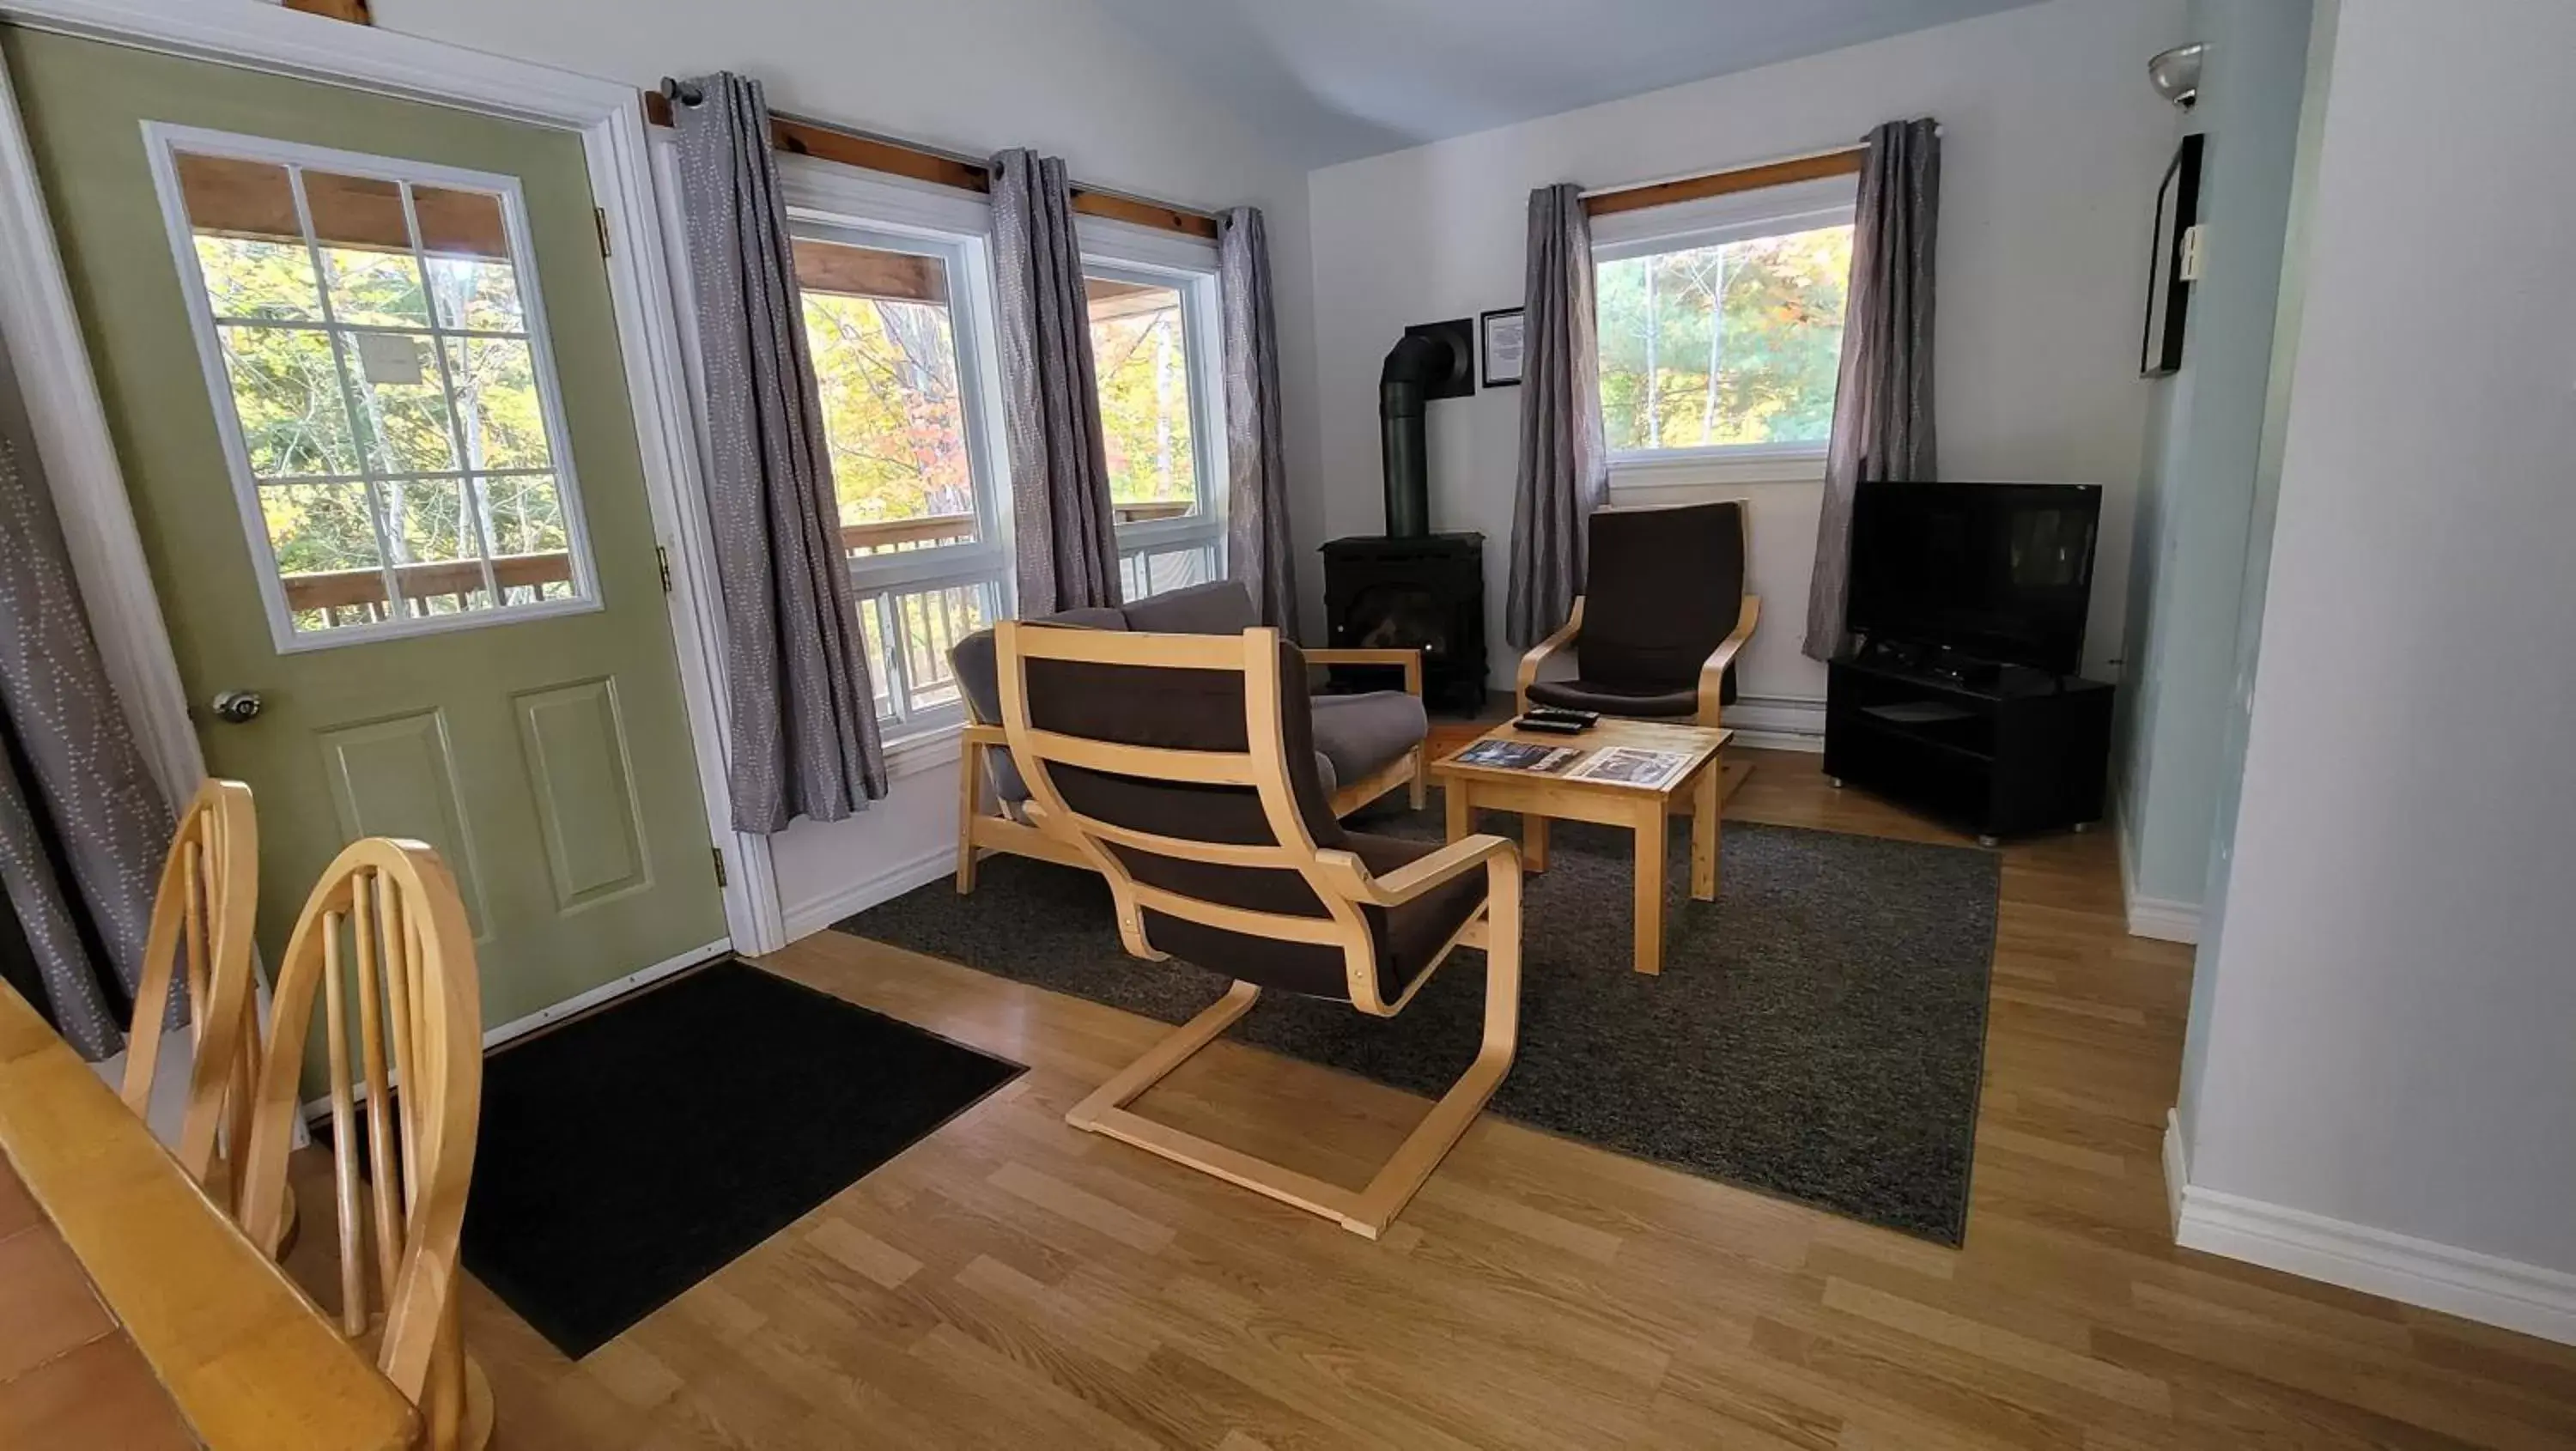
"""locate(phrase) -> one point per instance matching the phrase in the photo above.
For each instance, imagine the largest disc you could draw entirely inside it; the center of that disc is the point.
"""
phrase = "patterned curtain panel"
(1065, 534)
(805, 737)
(1564, 471)
(83, 828)
(1883, 398)
(1258, 551)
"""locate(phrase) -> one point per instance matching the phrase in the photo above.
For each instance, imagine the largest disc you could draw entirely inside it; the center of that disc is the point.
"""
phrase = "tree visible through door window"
(373, 328)
(1723, 344)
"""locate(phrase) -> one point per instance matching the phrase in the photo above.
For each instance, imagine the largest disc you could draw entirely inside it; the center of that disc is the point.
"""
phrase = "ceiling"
(1341, 79)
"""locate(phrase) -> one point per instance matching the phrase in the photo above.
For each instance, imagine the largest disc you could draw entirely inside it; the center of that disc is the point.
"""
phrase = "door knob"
(233, 707)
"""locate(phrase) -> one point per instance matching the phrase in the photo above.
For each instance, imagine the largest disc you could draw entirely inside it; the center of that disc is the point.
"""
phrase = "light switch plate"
(2193, 238)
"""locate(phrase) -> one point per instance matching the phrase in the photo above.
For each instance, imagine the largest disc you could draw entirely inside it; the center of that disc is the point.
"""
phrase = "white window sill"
(922, 750)
(1630, 473)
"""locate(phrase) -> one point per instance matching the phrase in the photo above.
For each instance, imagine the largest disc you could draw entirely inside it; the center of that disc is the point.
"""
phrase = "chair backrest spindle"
(201, 934)
(388, 913)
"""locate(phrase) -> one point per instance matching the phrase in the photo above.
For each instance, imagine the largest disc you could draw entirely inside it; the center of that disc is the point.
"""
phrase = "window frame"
(163, 141)
(826, 205)
(1123, 252)
(1715, 221)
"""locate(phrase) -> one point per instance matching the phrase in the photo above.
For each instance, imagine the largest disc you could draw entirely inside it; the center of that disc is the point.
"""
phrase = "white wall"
(973, 76)
(2052, 144)
(2196, 495)
(2391, 1040)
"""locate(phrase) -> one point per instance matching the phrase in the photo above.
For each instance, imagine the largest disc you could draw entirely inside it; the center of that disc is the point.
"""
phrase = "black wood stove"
(1411, 587)
(1426, 591)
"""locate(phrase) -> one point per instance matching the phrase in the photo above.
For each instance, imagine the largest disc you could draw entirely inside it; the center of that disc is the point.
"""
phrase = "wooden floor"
(1013, 1283)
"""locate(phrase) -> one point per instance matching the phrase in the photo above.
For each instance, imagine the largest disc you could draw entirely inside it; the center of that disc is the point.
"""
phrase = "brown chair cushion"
(1222, 608)
(1202, 710)
(1362, 734)
(1406, 940)
(1611, 700)
(1663, 588)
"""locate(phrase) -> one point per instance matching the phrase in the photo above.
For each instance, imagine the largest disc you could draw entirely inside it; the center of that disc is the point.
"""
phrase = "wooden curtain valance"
(873, 153)
(1845, 162)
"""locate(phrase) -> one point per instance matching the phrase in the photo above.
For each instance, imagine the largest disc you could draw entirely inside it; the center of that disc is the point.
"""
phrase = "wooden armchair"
(1663, 615)
(1183, 769)
(385, 923)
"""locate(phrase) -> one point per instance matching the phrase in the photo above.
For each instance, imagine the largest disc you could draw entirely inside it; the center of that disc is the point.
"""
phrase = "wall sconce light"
(2176, 74)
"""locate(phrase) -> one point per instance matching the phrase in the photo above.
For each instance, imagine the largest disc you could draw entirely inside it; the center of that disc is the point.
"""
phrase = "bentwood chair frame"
(1342, 884)
(204, 917)
(419, 1030)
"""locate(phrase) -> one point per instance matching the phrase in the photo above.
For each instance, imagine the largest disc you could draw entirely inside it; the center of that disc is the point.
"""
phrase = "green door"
(360, 364)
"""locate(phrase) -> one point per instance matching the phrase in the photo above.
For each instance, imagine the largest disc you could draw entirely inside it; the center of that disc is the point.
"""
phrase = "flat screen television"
(1997, 572)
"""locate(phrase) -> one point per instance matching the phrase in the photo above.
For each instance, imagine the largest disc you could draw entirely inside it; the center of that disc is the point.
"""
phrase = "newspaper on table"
(1519, 756)
(1632, 766)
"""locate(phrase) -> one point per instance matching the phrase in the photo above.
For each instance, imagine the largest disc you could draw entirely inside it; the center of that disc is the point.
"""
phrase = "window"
(890, 320)
(1723, 340)
(373, 330)
(1154, 350)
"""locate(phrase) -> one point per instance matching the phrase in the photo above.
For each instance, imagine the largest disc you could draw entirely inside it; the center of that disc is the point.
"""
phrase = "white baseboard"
(1778, 722)
(579, 1003)
(2177, 1171)
(804, 919)
(2160, 918)
(2531, 1299)
(2163, 920)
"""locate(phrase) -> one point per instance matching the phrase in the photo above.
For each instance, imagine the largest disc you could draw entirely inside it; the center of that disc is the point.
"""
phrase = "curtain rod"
(1805, 166)
(850, 147)
(1842, 161)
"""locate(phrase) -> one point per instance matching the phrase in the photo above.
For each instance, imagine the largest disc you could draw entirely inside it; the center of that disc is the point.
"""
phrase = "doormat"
(630, 1154)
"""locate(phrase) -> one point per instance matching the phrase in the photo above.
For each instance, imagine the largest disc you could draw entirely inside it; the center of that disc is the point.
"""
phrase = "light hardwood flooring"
(1012, 1283)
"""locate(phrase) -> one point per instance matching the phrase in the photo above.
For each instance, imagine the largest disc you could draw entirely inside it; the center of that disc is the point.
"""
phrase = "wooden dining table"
(133, 1314)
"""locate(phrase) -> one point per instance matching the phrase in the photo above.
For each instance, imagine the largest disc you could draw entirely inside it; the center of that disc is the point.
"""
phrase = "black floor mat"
(628, 1155)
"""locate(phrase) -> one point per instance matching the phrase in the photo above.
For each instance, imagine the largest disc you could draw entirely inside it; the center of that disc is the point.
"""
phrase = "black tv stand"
(1996, 749)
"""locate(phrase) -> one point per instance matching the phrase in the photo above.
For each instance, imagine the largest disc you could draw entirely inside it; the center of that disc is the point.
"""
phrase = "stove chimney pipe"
(1411, 367)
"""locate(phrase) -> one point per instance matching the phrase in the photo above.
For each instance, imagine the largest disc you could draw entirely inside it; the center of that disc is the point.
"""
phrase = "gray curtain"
(1064, 532)
(1258, 551)
(76, 799)
(804, 718)
(1564, 469)
(1883, 396)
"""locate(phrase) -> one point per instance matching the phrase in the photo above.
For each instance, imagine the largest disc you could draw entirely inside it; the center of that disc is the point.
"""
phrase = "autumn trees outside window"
(1149, 352)
(1721, 333)
(891, 322)
(393, 428)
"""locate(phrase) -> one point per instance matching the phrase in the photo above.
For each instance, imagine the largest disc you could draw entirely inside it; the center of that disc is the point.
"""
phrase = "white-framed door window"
(1157, 348)
(897, 319)
(376, 351)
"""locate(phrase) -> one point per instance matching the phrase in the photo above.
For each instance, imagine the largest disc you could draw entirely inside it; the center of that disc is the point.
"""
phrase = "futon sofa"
(1366, 745)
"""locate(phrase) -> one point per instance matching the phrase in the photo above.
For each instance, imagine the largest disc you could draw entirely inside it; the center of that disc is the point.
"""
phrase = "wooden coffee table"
(1642, 809)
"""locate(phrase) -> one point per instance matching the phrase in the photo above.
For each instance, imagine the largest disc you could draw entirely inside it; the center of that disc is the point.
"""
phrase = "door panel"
(549, 758)
(575, 744)
(397, 777)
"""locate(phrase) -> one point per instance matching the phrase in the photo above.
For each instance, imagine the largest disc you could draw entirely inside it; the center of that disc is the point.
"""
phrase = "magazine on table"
(1632, 766)
(1519, 756)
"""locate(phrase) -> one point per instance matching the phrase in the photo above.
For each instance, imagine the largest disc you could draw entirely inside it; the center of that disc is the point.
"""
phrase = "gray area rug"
(1817, 1033)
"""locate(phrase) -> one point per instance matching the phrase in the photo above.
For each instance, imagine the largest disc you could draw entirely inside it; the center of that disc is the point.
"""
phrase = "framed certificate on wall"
(1502, 346)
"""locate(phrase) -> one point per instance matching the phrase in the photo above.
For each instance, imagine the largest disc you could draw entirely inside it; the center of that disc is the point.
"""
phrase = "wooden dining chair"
(383, 938)
(202, 924)
(1182, 768)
